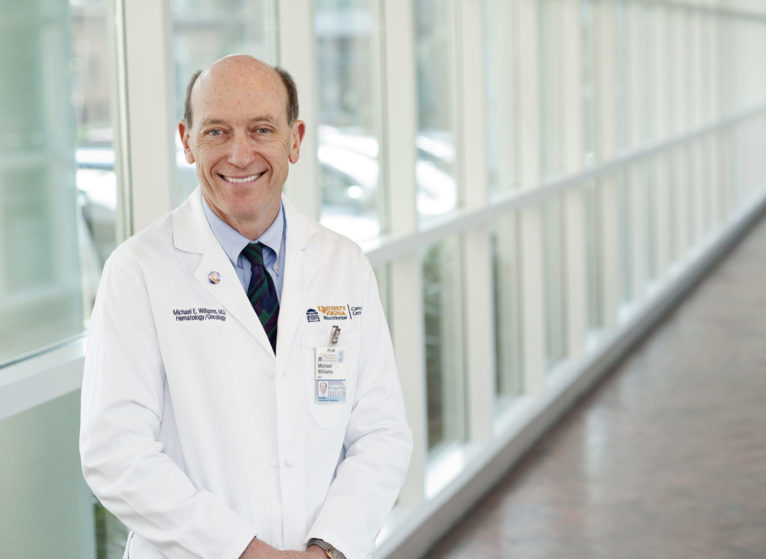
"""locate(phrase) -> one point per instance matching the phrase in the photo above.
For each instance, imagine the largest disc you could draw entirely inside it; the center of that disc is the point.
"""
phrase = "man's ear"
(299, 131)
(183, 131)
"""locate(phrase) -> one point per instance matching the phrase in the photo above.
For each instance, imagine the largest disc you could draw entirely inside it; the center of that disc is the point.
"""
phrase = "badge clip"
(334, 333)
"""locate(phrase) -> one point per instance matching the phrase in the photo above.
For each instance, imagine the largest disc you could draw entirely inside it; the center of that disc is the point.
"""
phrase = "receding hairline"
(284, 77)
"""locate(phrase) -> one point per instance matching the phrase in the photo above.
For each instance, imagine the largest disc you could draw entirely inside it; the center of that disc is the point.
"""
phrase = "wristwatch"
(329, 550)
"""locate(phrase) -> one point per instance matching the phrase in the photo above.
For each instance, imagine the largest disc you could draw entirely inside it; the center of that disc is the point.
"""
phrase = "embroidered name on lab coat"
(199, 313)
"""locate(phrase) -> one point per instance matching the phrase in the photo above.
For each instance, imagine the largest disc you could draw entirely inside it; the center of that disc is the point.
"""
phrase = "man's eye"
(263, 130)
(215, 132)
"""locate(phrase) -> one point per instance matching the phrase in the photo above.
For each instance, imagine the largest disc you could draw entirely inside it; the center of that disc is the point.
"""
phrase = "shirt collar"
(232, 241)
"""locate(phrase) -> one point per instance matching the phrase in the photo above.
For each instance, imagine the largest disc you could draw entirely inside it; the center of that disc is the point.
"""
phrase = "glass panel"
(554, 269)
(672, 185)
(435, 169)
(93, 70)
(501, 60)
(594, 256)
(46, 504)
(56, 169)
(383, 275)
(445, 377)
(589, 60)
(506, 271)
(625, 229)
(551, 86)
(641, 77)
(621, 70)
(206, 30)
(647, 174)
(348, 61)
(687, 188)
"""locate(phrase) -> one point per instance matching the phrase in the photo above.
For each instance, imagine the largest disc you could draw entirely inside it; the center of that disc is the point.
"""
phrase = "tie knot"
(254, 253)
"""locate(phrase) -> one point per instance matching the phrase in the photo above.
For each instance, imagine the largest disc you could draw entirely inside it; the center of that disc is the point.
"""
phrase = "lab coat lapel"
(300, 268)
(192, 233)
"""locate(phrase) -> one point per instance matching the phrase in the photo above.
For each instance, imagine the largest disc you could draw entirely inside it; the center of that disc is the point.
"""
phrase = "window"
(57, 184)
(506, 259)
(554, 278)
(435, 169)
(58, 208)
(551, 87)
(348, 61)
(445, 369)
(203, 32)
(502, 127)
(594, 256)
(588, 38)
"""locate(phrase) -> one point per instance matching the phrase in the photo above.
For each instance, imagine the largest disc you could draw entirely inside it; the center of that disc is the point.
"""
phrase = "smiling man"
(224, 413)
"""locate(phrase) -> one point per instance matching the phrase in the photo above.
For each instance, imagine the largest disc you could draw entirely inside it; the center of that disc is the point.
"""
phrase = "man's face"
(241, 141)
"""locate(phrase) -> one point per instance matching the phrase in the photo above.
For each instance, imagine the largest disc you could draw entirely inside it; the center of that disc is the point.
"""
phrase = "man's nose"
(241, 151)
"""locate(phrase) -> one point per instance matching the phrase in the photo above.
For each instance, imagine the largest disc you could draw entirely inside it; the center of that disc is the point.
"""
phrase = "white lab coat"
(198, 438)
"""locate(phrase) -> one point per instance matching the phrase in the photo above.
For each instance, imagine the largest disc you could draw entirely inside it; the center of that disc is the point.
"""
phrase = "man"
(203, 426)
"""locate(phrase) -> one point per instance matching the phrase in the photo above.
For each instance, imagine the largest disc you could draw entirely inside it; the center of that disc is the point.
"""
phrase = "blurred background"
(528, 178)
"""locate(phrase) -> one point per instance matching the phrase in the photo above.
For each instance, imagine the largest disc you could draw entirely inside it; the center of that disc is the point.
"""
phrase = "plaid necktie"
(262, 293)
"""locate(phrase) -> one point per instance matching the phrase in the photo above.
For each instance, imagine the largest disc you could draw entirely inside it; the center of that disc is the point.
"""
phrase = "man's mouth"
(242, 180)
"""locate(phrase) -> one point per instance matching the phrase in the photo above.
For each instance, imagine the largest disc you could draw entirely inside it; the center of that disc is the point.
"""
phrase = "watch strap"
(328, 549)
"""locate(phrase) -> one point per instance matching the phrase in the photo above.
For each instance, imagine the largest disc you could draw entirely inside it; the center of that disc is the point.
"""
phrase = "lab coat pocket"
(330, 393)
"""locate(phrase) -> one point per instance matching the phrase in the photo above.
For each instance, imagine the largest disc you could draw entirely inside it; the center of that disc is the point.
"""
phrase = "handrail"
(386, 248)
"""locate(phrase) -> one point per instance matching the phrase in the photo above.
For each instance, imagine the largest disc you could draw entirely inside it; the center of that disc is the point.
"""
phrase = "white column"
(681, 162)
(533, 329)
(606, 101)
(477, 264)
(145, 56)
(297, 54)
(716, 76)
(635, 176)
(400, 126)
(694, 95)
(678, 158)
(574, 200)
(661, 111)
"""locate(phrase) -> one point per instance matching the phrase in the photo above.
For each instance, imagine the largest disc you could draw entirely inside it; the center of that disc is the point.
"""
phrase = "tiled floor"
(665, 459)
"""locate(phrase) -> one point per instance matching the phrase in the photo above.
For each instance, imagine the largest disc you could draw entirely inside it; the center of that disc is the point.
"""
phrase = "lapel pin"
(214, 278)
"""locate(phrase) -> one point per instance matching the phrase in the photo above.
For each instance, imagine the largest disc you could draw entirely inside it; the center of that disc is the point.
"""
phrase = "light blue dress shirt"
(232, 242)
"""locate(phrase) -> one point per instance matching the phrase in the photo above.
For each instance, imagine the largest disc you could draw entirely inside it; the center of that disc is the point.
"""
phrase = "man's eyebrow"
(256, 119)
(209, 121)
(263, 118)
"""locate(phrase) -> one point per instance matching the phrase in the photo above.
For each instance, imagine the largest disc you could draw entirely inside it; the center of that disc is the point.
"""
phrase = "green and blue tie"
(262, 293)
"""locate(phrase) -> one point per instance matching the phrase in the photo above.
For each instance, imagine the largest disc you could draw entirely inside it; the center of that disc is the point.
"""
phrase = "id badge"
(329, 374)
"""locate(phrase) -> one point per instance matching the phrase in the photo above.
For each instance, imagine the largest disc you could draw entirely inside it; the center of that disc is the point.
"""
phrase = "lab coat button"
(289, 463)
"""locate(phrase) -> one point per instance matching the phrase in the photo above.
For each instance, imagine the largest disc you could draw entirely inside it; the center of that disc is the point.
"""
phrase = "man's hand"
(258, 549)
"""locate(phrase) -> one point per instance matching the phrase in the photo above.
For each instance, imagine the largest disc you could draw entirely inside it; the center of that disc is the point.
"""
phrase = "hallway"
(666, 458)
